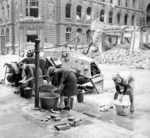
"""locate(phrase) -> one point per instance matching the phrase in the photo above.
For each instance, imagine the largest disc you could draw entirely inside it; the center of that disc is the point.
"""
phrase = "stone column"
(106, 15)
(21, 40)
(141, 39)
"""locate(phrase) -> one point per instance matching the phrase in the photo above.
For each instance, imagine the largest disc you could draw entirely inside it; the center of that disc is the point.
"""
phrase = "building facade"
(53, 21)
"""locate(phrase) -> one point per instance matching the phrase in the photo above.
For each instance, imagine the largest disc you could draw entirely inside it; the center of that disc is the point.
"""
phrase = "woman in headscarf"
(124, 85)
(66, 82)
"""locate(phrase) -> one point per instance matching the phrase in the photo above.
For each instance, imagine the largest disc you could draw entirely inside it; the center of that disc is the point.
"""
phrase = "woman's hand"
(24, 82)
(120, 98)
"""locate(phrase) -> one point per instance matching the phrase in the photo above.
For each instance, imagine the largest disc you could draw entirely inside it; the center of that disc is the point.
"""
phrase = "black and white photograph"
(74, 68)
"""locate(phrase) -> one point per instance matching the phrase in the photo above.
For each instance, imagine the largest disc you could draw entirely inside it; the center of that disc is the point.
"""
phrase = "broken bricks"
(72, 122)
(47, 118)
(62, 126)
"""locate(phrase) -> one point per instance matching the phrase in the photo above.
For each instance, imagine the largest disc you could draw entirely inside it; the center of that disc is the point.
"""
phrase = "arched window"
(68, 34)
(102, 16)
(126, 3)
(126, 19)
(79, 30)
(133, 20)
(88, 13)
(0, 20)
(134, 3)
(88, 33)
(3, 16)
(110, 16)
(79, 12)
(119, 2)
(148, 15)
(2, 31)
(68, 10)
(8, 10)
(118, 18)
(7, 35)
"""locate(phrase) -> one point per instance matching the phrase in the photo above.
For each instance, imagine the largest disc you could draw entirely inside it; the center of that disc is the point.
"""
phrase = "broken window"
(88, 13)
(68, 10)
(110, 16)
(32, 8)
(132, 20)
(68, 34)
(102, 16)
(118, 18)
(126, 19)
(79, 12)
(79, 31)
(88, 33)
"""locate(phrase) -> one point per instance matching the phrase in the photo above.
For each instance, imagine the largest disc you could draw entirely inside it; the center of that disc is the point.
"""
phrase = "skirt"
(70, 86)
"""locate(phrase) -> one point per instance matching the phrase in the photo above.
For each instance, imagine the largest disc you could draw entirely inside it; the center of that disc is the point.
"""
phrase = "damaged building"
(54, 21)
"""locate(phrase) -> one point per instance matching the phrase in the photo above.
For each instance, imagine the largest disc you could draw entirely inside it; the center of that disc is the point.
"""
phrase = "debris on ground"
(119, 55)
(104, 109)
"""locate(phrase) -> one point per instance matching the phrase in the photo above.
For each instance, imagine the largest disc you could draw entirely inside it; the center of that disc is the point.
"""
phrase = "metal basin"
(49, 100)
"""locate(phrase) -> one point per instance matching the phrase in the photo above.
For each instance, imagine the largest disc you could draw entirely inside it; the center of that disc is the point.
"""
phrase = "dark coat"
(68, 78)
(30, 72)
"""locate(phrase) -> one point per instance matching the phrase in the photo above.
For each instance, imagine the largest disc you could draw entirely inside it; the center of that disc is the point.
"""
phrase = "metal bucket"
(28, 92)
(22, 93)
(80, 96)
(49, 100)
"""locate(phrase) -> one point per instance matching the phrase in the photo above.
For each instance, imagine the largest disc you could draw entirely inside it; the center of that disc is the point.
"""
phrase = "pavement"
(19, 120)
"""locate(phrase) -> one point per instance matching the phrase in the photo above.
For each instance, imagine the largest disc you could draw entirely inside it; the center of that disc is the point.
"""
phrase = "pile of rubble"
(120, 56)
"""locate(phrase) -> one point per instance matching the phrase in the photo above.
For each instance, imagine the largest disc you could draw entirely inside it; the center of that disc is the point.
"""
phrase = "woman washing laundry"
(66, 82)
(124, 85)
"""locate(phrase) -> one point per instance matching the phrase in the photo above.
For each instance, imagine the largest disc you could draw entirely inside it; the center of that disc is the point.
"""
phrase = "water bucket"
(121, 108)
(71, 102)
(49, 100)
(28, 92)
(80, 96)
(22, 93)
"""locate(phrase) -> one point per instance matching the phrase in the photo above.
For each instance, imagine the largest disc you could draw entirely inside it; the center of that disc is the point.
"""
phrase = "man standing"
(124, 85)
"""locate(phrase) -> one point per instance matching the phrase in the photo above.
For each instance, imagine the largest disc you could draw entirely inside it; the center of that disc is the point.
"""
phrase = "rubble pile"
(120, 56)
